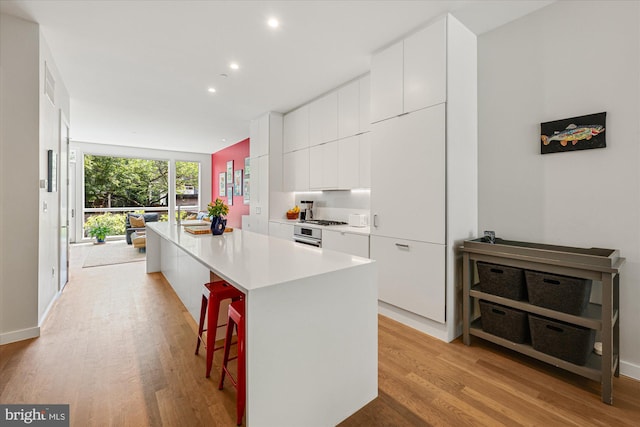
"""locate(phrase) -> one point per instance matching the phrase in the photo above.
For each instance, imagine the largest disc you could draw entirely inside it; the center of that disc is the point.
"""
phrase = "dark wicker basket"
(561, 293)
(568, 342)
(501, 280)
(505, 322)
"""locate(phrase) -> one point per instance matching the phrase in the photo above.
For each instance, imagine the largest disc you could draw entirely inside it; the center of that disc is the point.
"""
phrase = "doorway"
(63, 221)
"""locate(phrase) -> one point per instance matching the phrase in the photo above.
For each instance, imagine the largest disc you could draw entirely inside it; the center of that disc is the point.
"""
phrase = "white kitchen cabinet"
(281, 230)
(349, 109)
(296, 129)
(348, 161)
(266, 168)
(364, 154)
(350, 243)
(323, 166)
(386, 82)
(259, 136)
(408, 160)
(425, 67)
(296, 170)
(323, 119)
(411, 275)
(411, 74)
(365, 103)
(424, 174)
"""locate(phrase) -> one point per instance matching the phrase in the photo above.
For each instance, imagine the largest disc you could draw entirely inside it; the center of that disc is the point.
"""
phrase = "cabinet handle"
(402, 245)
(375, 220)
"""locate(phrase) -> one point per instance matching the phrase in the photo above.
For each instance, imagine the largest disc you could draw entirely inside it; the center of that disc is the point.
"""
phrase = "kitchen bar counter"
(311, 319)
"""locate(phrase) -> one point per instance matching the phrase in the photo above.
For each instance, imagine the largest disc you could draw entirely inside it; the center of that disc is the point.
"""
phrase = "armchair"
(129, 229)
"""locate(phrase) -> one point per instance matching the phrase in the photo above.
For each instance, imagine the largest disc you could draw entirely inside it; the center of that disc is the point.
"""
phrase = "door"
(63, 194)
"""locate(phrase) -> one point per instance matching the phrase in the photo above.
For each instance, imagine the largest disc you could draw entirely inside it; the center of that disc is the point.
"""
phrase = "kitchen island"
(311, 326)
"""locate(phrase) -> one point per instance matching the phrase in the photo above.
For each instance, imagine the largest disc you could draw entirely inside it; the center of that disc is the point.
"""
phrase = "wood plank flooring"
(118, 347)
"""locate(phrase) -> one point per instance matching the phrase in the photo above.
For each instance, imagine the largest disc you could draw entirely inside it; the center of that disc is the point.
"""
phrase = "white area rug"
(112, 253)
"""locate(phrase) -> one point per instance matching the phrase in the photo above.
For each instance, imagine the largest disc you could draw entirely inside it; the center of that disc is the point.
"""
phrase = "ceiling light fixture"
(273, 23)
(234, 66)
(212, 90)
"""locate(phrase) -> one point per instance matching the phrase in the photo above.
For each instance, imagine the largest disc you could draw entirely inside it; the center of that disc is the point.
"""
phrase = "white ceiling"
(138, 71)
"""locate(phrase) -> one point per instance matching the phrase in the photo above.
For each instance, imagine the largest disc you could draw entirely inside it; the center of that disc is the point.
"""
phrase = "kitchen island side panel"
(312, 349)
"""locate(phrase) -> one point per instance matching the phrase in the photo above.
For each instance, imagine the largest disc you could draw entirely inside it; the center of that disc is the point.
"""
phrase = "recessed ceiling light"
(224, 139)
(212, 90)
(234, 66)
(273, 23)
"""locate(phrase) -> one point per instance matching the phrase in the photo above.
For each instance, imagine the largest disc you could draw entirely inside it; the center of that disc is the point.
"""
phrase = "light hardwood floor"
(118, 347)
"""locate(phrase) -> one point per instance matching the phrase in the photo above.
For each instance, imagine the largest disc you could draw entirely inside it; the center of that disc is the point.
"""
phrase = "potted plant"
(217, 211)
(99, 231)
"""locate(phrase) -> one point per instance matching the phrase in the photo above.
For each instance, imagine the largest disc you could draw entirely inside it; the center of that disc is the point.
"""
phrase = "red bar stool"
(212, 295)
(236, 318)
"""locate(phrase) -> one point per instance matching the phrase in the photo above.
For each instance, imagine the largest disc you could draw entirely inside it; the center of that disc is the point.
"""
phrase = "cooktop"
(323, 222)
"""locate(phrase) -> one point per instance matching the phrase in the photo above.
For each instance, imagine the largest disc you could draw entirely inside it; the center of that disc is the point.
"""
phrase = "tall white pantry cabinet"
(424, 173)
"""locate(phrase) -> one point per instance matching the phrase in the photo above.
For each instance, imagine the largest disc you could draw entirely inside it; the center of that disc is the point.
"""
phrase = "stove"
(323, 222)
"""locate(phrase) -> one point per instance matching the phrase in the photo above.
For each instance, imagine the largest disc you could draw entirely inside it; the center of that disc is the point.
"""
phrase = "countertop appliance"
(307, 214)
(307, 235)
(357, 220)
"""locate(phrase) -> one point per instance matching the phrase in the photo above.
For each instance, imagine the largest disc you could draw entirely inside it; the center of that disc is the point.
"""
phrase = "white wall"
(566, 60)
(30, 126)
(48, 249)
(19, 154)
(83, 148)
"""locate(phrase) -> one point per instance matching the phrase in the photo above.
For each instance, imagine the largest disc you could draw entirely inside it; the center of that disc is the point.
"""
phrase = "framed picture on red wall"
(222, 184)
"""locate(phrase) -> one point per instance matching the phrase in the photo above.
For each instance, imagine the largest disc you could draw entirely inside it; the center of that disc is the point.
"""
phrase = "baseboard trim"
(422, 324)
(630, 370)
(22, 334)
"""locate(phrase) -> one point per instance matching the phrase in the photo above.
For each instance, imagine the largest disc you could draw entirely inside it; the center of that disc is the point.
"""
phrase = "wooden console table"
(595, 264)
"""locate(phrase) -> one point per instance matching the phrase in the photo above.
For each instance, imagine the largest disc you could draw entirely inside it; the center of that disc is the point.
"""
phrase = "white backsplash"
(337, 205)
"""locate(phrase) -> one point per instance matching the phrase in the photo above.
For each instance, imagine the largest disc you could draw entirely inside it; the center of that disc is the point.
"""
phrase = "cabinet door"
(263, 185)
(365, 160)
(323, 119)
(296, 129)
(408, 176)
(386, 83)
(349, 163)
(263, 132)
(296, 170)
(316, 180)
(254, 135)
(425, 67)
(254, 192)
(411, 275)
(349, 110)
(353, 244)
(280, 230)
(365, 103)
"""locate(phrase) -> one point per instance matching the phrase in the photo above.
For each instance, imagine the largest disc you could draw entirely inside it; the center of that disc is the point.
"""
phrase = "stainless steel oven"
(307, 235)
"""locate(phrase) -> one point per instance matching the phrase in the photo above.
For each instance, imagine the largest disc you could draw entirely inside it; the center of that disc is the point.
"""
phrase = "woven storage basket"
(562, 340)
(561, 293)
(502, 280)
(505, 322)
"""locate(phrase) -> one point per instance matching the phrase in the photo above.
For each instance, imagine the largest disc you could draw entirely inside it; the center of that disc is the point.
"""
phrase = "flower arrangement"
(217, 208)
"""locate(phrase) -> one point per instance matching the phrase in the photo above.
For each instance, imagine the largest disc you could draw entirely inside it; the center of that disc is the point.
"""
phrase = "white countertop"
(339, 228)
(251, 260)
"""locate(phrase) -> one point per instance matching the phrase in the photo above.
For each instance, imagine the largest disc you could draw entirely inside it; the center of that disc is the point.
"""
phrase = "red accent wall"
(237, 153)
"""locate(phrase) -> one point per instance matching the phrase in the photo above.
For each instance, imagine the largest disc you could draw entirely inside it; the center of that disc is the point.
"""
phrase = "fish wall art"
(576, 133)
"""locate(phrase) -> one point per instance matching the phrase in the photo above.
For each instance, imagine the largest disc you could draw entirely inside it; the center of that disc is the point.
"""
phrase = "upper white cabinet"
(425, 67)
(323, 119)
(410, 74)
(365, 103)
(296, 129)
(365, 160)
(296, 170)
(349, 109)
(265, 147)
(348, 162)
(323, 166)
(386, 83)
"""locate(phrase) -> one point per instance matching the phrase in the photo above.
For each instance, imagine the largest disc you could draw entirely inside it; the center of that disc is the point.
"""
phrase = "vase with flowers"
(217, 211)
